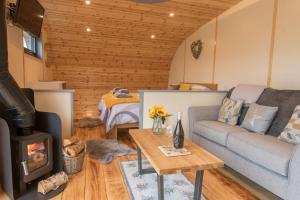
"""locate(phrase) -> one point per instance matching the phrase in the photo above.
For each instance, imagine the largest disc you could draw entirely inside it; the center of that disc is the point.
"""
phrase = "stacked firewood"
(73, 146)
(73, 155)
(52, 183)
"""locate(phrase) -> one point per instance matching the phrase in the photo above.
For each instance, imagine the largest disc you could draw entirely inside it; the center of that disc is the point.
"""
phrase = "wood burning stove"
(26, 159)
(33, 157)
(25, 155)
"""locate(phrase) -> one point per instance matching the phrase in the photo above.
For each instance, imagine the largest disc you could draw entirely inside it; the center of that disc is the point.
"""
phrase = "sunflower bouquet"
(158, 111)
(158, 114)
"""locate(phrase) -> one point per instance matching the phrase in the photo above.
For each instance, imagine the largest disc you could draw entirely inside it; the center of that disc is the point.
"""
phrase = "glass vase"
(157, 126)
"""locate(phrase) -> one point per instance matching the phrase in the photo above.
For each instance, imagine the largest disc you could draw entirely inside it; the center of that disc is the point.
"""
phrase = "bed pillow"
(199, 88)
(230, 111)
(185, 87)
(291, 133)
(259, 118)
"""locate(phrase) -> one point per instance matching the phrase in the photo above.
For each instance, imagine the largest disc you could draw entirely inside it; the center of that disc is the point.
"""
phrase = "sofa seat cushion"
(215, 131)
(264, 150)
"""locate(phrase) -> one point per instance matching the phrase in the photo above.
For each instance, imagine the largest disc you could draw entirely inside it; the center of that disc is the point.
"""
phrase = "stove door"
(37, 159)
(37, 155)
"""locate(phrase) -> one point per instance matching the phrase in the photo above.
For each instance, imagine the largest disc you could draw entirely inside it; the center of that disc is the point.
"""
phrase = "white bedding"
(124, 113)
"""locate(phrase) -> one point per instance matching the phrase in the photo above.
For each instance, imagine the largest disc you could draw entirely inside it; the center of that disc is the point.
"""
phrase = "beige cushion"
(215, 131)
(291, 133)
(230, 111)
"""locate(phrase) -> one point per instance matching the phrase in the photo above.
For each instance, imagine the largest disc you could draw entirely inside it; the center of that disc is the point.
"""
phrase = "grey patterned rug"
(144, 187)
(106, 150)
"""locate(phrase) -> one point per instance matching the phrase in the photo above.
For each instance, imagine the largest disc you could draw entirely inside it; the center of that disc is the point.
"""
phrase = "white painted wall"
(201, 70)
(286, 64)
(60, 102)
(177, 69)
(173, 103)
(240, 6)
(244, 47)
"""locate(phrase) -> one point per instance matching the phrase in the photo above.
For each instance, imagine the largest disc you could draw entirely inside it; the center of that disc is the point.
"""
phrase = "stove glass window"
(37, 155)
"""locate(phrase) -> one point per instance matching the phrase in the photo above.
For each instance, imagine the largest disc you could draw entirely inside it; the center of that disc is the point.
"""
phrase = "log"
(71, 141)
(52, 183)
(75, 149)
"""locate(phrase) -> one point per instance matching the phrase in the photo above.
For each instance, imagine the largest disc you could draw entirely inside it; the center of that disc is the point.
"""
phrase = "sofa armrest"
(202, 113)
(294, 175)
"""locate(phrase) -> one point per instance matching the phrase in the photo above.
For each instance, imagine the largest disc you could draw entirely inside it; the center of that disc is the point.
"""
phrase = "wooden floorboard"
(3, 196)
(94, 179)
(105, 182)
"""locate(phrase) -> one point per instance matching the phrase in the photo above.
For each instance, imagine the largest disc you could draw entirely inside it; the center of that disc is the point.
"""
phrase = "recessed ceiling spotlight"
(88, 30)
(172, 14)
(87, 2)
(152, 36)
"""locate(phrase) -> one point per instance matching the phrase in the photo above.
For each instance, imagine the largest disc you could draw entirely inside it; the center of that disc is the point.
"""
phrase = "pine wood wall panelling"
(118, 51)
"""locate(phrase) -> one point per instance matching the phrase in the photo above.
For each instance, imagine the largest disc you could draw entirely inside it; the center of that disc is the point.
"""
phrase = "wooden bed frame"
(212, 86)
(113, 133)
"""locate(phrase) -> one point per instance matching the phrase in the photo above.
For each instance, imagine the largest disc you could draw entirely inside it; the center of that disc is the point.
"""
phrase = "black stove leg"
(23, 187)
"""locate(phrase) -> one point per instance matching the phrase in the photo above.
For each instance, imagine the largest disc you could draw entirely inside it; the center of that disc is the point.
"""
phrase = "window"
(32, 45)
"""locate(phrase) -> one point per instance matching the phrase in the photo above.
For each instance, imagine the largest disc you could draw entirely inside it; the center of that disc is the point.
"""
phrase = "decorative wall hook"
(196, 48)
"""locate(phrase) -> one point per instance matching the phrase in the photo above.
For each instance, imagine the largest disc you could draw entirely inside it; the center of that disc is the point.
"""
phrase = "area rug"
(144, 187)
(106, 150)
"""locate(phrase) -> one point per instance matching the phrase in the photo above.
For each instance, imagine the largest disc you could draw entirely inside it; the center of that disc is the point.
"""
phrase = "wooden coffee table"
(199, 160)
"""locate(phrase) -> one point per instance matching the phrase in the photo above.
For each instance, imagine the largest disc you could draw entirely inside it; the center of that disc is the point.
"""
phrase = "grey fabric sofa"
(271, 163)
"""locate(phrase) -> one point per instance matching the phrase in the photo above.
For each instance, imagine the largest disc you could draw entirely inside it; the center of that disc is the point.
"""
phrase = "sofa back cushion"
(286, 101)
(244, 109)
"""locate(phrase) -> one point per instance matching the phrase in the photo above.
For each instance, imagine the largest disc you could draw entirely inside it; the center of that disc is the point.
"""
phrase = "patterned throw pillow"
(230, 111)
(291, 133)
(259, 118)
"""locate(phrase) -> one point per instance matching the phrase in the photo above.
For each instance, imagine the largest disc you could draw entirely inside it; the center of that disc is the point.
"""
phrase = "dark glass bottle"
(178, 136)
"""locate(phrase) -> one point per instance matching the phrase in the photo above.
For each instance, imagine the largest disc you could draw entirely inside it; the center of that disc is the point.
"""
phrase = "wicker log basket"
(73, 165)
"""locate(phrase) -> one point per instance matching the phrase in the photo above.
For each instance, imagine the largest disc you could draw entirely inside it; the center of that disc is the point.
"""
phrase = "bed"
(120, 115)
(194, 86)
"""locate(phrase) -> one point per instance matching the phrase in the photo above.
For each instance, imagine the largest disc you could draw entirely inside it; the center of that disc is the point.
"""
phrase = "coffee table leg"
(160, 187)
(140, 168)
(198, 185)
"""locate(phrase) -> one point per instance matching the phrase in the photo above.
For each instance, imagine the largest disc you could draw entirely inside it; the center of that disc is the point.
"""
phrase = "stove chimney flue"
(15, 102)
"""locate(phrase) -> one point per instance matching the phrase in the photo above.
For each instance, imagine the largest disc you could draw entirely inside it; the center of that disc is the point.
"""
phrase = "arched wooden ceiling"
(119, 51)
